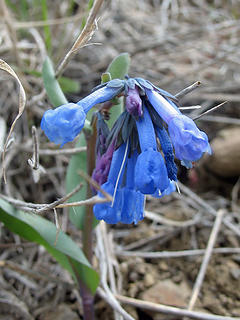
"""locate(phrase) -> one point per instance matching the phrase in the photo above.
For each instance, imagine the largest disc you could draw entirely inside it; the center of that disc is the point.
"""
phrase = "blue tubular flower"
(111, 212)
(133, 201)
(103, 94)
(150, 170)
(164, 108)
(188, 141)
(167, 150)
(64, 123)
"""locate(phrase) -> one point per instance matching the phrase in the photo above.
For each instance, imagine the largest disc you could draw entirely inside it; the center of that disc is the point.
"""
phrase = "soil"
(173, 44)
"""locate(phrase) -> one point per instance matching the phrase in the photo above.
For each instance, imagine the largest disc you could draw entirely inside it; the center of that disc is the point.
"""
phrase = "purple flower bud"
(134, 103)
(103, 163)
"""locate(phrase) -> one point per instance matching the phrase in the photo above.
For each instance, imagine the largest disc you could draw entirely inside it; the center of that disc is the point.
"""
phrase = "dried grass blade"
(22, 102)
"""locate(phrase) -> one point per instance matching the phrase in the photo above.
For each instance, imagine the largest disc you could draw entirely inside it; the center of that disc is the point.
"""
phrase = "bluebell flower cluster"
(137, 156)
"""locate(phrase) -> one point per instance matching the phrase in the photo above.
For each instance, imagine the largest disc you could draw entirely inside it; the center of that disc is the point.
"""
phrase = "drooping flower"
(133, 200)
(63, 124)
(150, 170)
(188, 141)
(136, 157)
(128, 203)
(111, 211)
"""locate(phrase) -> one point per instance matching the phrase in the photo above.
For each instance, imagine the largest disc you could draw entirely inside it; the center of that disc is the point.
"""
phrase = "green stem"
(87, 297)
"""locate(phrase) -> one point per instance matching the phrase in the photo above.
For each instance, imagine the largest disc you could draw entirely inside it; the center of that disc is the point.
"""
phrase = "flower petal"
(171, 188)
(188, 141)
(166, 109)
(133, 206)
(63, 124)
(150, 172)
(101, 95)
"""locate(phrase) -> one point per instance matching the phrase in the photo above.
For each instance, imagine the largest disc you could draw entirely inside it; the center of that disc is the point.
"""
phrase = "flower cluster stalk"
(87, 297)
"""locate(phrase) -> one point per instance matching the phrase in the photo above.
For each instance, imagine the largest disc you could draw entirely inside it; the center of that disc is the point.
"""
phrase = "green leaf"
(68, 85)
(78, 162)
(118, 68)
(37, 229)
(51, 84)
(105, 77)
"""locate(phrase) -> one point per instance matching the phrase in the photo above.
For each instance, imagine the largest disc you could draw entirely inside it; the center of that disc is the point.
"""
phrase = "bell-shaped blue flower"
(188, 141)
(64, 123)
(150, 171)
(133, 200)
(111, 211)
(166, 109)
(101, 95)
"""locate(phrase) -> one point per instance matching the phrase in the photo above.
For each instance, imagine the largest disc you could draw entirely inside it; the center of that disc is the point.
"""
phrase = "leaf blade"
(37, 229)
(54, 91)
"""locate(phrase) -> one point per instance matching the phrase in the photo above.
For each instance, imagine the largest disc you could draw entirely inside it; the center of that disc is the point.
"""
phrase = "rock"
(225, 160)
(149, 280)
(235, 273)
(163, 265)
(167, 292)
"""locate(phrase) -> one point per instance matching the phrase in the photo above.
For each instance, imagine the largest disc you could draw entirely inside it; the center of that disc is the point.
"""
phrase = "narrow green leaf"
(51, 84)
(78, 162)
(37, 229)
(68, 85)
(118, 68)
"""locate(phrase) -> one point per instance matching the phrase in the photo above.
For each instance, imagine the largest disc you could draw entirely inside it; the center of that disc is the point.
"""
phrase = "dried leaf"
(21, 106)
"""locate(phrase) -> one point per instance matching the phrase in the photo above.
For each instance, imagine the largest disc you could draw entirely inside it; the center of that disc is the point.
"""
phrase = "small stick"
(208, 207)
(34, 274)
(209, 110)
(187, 90)
(49, 152)
(170, 310)
(95, 185)
(190, 107)
(112, 301)
(58, 202)
(173, 254)
(57, 226)
(34, 162)
(83, 38)
(88, 202)
(206, 259)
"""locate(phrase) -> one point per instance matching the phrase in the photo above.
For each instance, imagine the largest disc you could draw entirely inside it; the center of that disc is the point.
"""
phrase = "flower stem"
(87, 297)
